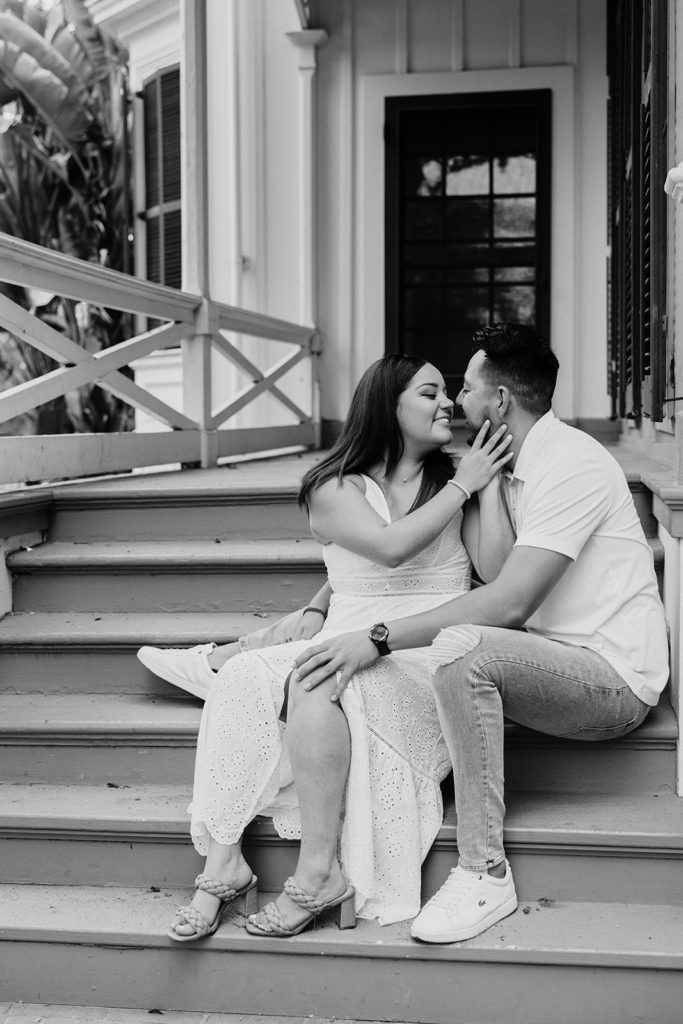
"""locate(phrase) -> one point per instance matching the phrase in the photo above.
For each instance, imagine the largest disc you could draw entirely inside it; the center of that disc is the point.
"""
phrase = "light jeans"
(488, 673)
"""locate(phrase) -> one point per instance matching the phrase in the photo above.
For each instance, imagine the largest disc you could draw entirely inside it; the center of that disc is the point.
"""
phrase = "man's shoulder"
(565, 442)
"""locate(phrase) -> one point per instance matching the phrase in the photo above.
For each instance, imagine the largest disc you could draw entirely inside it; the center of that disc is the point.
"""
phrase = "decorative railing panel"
(192, 320)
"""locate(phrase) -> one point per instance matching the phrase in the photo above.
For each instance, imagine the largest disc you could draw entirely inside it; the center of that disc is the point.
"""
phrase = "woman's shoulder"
(330, 488)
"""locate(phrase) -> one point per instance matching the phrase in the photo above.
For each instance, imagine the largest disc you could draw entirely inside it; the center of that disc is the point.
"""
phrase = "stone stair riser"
(579, 873)
(143, 589)
(361, 987)
(275, 521)
(589, 768)
(598, 769)
(63, 670)
(90, 763)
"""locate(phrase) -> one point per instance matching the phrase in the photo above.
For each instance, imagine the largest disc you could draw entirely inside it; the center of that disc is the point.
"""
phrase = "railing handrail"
(33, 266)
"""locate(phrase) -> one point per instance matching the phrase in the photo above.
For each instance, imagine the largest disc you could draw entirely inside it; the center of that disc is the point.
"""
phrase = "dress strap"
(375, 497)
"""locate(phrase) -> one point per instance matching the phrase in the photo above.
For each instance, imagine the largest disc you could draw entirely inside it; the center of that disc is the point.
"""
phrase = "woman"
(390, 529)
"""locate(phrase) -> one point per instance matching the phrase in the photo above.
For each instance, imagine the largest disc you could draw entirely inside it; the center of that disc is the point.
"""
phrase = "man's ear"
(504, 399)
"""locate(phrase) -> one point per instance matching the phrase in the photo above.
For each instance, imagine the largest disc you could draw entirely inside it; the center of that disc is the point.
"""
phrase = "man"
(592, 657)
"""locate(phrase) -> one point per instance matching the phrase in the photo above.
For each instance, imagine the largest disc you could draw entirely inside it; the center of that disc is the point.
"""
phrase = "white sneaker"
(466, 904)
(185, 667)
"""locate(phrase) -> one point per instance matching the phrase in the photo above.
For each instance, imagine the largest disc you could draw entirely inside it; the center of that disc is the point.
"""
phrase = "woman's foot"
(324, 884)
(234, 871)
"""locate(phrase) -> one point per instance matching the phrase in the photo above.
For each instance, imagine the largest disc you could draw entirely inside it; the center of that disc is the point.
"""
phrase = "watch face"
(379, 632)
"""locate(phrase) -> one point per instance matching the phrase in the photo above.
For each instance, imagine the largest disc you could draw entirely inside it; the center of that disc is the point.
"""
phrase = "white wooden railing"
(195, 321)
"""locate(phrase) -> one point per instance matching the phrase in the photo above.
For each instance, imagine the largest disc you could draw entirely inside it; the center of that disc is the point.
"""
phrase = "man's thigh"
(553, 687)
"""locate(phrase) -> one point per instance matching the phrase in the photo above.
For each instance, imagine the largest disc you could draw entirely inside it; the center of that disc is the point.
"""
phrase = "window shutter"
(161, 103)
(637, 224)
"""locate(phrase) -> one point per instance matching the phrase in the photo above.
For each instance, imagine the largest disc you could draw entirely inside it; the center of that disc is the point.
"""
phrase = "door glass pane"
(423, 275)
(424, 177)
(467, 219)
(514, 173)
(515, 303)
(422, 308)
(467, 175)
(467, 307)
(514, 218)
(424, 222)
(462, 275)
(524, 275)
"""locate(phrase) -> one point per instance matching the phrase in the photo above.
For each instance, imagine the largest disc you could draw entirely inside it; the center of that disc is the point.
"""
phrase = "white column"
(306, 42)
(194, 161)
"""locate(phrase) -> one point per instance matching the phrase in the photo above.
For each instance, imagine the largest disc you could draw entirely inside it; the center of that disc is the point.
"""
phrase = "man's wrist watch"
(379, 634)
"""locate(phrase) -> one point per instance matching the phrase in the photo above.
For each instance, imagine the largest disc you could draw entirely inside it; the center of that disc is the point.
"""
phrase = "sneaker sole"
(494, 917)
(161, 670)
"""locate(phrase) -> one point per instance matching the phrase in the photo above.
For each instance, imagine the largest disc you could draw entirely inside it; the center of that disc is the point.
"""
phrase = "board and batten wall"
(380, 48)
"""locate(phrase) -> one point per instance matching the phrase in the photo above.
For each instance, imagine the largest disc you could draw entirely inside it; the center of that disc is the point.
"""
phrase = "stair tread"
(539, 818)
(78, 713)
(165, 629)
(546, 932)
(106, 554)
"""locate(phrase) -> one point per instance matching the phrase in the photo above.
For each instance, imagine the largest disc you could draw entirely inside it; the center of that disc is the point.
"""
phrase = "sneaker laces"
(457, 886)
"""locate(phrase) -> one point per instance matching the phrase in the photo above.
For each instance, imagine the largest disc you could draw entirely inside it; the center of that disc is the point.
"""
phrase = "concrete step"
(550, 963)
(132, 738)
(94, 652)
(146, 513)
(561, 847)
(169, 576)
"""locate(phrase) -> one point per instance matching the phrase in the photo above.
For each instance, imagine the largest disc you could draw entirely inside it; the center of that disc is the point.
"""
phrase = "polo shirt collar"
(532, 444)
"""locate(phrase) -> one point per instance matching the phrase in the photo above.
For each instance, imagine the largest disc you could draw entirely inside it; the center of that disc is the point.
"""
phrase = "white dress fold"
(393, 807)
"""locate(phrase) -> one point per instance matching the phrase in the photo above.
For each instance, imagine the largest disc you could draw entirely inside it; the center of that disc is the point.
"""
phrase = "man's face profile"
(477, 399)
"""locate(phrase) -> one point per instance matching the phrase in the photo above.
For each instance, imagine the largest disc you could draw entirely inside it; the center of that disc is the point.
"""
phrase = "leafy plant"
(64, 184)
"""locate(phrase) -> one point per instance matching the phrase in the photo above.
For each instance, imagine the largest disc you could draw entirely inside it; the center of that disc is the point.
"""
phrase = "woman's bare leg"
(220, 655)
(320, 752)
(225, 864)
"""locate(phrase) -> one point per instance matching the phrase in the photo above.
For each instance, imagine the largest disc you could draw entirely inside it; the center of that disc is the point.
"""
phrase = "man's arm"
(526, 579)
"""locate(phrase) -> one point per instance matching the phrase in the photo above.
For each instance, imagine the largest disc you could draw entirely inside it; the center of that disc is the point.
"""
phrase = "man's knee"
(450, 653)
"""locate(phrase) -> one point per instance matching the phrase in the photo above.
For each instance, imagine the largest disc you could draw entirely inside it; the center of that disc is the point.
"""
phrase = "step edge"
(224, 942)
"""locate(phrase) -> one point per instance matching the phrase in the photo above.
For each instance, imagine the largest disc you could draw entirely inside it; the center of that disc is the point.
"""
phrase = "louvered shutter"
(161, 103)
(637, 217)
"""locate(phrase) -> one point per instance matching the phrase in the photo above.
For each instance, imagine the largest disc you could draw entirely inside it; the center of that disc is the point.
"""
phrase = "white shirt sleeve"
(562, 507)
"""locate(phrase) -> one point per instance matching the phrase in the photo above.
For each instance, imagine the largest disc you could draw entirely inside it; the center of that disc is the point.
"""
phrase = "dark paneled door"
(467, 220)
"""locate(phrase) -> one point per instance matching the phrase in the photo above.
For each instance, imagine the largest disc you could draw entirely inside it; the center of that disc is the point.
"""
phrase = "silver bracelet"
(456, 483)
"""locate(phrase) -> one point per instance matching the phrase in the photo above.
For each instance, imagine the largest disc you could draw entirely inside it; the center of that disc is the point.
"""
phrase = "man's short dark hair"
(519, 358)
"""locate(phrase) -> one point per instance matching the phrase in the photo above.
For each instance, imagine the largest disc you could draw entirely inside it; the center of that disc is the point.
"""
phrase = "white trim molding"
(128, 17)
(369, 280)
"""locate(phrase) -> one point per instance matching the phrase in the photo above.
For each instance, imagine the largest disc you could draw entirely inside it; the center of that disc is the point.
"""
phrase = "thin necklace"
(411, 476)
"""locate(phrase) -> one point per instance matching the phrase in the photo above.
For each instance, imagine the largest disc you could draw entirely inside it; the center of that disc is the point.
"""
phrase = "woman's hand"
(486, 458)
(342, 656)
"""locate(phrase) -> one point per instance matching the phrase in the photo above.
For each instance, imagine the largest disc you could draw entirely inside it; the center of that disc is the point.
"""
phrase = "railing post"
(197, 379)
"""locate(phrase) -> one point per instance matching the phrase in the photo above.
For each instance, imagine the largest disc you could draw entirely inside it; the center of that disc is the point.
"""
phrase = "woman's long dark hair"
(371, 433)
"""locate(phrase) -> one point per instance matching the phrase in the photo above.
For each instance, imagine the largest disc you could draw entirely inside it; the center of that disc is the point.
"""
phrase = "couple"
(375, 717)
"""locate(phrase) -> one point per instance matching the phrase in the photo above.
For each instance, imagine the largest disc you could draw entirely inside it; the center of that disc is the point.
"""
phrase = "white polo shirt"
(568, 494)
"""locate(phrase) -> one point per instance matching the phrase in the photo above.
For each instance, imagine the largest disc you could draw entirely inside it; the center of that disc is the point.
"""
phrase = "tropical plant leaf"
(66, 41)
(25, 37)
(89, 34)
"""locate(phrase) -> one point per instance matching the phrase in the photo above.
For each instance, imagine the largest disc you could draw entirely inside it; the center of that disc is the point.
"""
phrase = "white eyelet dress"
(393, 806)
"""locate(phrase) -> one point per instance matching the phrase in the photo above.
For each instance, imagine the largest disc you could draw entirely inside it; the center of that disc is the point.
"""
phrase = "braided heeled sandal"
(245, 899)
(269, 920)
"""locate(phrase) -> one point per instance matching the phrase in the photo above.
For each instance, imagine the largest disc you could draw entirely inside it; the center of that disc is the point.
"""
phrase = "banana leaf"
(30, 12)
(44, 78)
(67, 43)
(89, 34)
